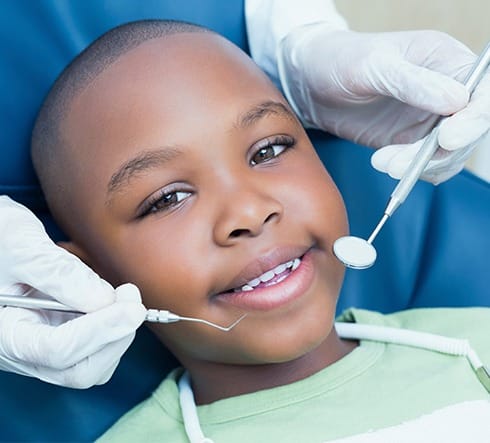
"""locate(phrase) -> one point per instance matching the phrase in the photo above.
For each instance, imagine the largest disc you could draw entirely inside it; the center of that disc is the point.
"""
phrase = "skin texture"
(200, 114)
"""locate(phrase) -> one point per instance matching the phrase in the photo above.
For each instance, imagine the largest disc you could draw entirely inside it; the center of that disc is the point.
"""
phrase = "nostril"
(239, 232)
(270, 217)
(254, 228)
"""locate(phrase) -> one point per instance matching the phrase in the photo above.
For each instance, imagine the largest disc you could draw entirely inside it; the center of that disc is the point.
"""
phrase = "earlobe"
(76, 250)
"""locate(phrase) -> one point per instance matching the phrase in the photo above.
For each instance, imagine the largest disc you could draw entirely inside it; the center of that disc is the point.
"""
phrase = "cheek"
(162, 259)
(314, 195)
(329, 203)
(316, 204)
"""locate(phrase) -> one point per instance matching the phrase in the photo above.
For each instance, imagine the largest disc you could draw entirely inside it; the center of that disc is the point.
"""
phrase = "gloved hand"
(381, 89)
(60, 348)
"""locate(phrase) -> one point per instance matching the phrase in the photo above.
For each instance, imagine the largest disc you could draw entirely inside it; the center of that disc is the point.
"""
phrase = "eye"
(163, 200)
(270, 148)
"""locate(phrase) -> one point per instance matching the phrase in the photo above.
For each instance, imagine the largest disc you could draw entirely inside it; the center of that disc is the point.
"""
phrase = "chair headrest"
(37, 40)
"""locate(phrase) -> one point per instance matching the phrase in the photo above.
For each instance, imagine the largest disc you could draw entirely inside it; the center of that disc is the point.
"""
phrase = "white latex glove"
(459, 135)
(386, 89)
(269, 21)
(60, 348)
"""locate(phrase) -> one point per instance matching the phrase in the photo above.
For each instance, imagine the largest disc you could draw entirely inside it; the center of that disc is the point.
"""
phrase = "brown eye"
(165, 201)
(271, 148)
(263, 155)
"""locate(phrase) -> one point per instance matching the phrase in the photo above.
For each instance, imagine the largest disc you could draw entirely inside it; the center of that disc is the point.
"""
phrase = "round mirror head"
(354, 252)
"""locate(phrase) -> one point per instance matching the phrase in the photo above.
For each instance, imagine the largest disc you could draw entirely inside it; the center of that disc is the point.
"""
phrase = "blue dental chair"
(434, 251)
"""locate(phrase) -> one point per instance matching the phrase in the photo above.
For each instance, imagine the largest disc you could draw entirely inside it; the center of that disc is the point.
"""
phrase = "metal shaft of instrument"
(35, 303)
(153, 315)
(377, 229)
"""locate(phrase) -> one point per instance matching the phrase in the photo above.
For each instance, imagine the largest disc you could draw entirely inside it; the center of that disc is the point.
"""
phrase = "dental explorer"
(152, 315)
(357, 253)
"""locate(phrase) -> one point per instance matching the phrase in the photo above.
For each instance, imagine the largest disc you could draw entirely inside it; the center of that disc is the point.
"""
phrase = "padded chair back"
(433, 252)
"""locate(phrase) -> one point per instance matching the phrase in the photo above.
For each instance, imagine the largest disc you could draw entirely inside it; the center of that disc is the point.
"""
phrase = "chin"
(270, 345)
(290, 334)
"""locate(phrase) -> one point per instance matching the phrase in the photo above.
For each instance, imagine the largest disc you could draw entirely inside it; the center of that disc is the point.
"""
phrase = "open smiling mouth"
(274, 288)
(271, 277)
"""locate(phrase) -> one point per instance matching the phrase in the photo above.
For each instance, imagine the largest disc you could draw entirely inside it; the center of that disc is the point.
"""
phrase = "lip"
(265, 263)
(272, 297)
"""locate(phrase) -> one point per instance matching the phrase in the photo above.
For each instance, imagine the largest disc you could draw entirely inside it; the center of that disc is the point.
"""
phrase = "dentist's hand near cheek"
(60, 348)
(387, 89)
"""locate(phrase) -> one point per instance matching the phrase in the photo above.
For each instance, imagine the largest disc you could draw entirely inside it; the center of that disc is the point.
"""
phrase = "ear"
(75, 249)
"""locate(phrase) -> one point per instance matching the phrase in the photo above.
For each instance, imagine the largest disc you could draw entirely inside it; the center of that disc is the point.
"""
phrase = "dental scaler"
(357, 253)
(152, 315)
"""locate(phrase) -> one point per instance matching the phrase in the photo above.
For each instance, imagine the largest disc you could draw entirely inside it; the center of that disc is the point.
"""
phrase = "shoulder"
(157, 415)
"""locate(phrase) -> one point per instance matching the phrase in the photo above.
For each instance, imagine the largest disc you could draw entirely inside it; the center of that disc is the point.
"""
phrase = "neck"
(214, 381)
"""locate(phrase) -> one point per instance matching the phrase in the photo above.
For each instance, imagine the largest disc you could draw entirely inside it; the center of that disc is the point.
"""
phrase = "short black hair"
(47, 143)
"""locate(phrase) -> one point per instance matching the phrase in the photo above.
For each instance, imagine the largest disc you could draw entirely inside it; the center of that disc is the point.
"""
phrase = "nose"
(244, 214)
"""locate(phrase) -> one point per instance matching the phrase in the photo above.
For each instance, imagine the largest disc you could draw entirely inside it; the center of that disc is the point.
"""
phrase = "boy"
(205, 192)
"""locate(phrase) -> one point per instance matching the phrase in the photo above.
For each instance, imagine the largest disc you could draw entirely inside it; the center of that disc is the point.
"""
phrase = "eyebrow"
(156, 158)
(142, 162)
(262, 110)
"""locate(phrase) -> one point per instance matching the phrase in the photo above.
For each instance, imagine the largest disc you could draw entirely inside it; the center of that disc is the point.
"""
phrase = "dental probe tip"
(238, 320)
(163, 316)
(214, 325)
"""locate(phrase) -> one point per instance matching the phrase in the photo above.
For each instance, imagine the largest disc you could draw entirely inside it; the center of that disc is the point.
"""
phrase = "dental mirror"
(354, 252)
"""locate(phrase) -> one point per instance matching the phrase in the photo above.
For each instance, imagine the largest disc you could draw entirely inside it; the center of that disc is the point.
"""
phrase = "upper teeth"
(269, 275)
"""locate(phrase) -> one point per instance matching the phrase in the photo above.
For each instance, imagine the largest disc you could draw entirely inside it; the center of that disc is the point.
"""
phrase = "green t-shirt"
(378, 392)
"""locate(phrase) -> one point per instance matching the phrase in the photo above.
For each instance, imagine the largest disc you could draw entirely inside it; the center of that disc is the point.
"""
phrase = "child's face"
(194, 179)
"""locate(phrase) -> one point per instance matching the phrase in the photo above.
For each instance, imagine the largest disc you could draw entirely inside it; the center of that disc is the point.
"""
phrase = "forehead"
(182, 66)
(179, 90)
(171, 78)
